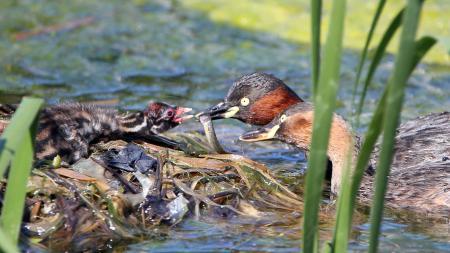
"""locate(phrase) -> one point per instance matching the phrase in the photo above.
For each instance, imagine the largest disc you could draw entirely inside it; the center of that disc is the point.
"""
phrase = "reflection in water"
(149, 50)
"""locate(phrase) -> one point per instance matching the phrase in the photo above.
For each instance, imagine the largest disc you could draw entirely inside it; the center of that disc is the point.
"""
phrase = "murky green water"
(139, 50)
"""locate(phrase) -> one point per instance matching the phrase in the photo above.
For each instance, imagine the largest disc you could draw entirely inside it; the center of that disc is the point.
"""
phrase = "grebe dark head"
(158, 117)
(255, 99)
(162, 117)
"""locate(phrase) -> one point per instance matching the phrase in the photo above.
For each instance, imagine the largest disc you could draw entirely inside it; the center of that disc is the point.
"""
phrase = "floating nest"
(92, 206)
(88, 205)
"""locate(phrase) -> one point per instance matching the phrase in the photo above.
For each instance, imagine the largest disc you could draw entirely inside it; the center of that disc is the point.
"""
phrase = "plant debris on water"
(90, 203)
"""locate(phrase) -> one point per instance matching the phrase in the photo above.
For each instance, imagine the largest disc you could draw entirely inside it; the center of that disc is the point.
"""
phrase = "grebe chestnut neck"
(294, 126)
(420, 173)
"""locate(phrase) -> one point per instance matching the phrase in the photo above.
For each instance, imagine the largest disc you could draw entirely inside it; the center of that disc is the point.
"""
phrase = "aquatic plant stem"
(362, 59)
(347, 200)
(316, 15)
(16, 190)
(376, 59)
(325, 102)
(6, 244)
(349, 191)
(18, 151)
(394, 102)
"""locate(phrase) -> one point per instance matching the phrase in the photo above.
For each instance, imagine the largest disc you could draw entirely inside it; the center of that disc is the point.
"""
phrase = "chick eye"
(169, 113)
(245, 101)
(283, 118)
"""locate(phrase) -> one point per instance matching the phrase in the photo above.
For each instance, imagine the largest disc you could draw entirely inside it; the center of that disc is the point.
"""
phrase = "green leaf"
(20, 123)
(422, 46)
(394, 101)
(362, 59)
(379, 53)
(19, 139)
(325, 102)
(316, 12)
(6, 244)
(349, 191)
(348, 195)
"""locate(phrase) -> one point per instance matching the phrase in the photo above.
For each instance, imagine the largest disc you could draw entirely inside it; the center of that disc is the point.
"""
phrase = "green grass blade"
(20, 123)
(347, 200)
(15, 192)
(379, 53)
(362, 59)
(316, 12)
(394, 102)
(349, 191)
(19, 139)
(5, 243)
(422, 46)
(325, 102)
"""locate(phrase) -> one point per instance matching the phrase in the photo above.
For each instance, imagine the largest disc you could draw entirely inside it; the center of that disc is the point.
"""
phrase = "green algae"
(290, 20)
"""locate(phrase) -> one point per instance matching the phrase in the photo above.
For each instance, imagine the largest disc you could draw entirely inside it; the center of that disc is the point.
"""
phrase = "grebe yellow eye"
(283, 118)
(245, 101)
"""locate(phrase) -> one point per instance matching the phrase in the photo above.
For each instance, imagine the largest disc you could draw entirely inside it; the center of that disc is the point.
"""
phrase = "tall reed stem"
(394, 101)
(325, 102)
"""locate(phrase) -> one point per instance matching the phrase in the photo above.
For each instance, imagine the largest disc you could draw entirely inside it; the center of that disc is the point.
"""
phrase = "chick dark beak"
(261, 134)
(180, 116)
(220, 111)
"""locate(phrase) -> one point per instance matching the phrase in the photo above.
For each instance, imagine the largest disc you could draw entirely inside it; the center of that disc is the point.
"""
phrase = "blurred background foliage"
(290, 20)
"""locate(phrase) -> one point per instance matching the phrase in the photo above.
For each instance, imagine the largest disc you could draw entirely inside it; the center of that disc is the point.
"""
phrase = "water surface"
(135, 51)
